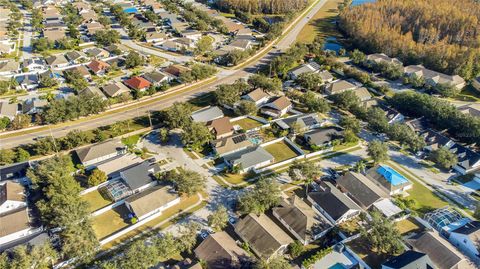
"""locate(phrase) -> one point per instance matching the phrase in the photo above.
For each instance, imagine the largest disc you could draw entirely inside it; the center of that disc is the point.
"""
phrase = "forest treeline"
(262, 6)
(443, 35)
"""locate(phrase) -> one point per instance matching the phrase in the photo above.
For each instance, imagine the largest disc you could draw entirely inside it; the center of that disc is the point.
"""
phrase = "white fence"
(108, 207)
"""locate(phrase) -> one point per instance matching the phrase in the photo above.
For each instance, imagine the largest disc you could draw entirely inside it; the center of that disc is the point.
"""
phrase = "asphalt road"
(223, 77)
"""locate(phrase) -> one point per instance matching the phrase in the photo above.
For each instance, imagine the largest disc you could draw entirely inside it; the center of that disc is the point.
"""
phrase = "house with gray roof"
(8, 110)
(207, 114)
(93, 90)
(333, 204)
(115, 89)
(34, 105)
(97, 153)
(152, 201)
(434, 78)
(140, 176)
(76, 56)
(379, 58)
(311, 67)
(9, 67)
(258, 96)
(157, 78)
(339, 86)
(300, 123)
(361, 189)
(249, 159)
(323, 136)
(410, 259)
(57, 61)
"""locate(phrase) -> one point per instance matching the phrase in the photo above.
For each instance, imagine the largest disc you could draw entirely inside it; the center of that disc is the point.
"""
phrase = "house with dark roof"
(468, 160)
(157, 78)
(323, 137)
(301, 220)
(81, 69)
(12, 197)
(115, 89)
(441, 253)
(97, 53)
(28, 81)
(361, 189)
(262, 235)
(57, 61)
(219, 250)
(470, 109)
(92, 90)
(221, 127)
(151, 202)
(249, 159)
(410, 259)
(14, 171)
(34, 64)
(333, 204)
(476, 83)
(258, 96)
(435, 140)
(207, 114)
(137, 83)
(34, 105)
(467, 239)
(389, 179)
(96, 153)
(277, 108)
(299, 123)
(76, 56)
(140, 176)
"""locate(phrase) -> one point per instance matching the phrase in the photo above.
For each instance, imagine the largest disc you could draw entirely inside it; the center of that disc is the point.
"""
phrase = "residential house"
(219, 250)
(339, 86)
(207, 114)
(98, 67)
(93, 27)
(176, 70)
(97, 153)
(389, 179)
(34, 105)
(393, 116)
(433, 78)
(154, 37)
(93, 90)
(184, 44)
(262, 235)
(57, 61)
(28, 82)
(14, 171)
(249, 159)
(277, 108)
(221, 127)
(301, 220)
(387, 208)
(117, 62)
(192, 35)
(470, 109)
(140, 176)
(115, 89)
(311, 67)
(15, 226)
(381, 58)
(7, 47)
(168, 45)
(333, 204)
(468, 160)
(241, 44)
(230, 144)
(408, 260)
(9, 67)
(476, 83)
(137, 83)
(441, 253)
(363, 94)
(54, 34)
(323, 137)
(12, 197)
(157, 78)
(361, 189)
(151, 202)
(117, 49)
(326, 76)
(34, 64)
(435, 140)
(258, 96)
(467, 239)
(8, 110)
(76, 56)
(97, 53)
(300, 123)
(418, 125)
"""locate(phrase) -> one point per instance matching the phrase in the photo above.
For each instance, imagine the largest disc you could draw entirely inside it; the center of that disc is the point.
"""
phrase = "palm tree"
(360, 166)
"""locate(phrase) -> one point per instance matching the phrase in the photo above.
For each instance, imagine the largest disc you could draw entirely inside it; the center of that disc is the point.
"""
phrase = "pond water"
(359, 2)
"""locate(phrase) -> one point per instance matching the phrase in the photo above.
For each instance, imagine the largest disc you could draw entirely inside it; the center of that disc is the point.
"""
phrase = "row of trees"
(262, 6)
(74, 107)
(201, 20)
(440, 34)
(441, 114)
(197, 72)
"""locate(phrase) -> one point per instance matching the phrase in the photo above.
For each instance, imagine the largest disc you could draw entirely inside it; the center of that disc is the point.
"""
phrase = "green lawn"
(408, 225)
(425, 198)
(131, 141)
(247, 123)
(96, 200)
(360, 248)
(109, 222)
(321, 23)
(281, 151)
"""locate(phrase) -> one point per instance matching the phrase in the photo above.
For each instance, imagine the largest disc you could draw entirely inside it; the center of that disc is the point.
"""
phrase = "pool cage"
(442, 217)
(117, 190)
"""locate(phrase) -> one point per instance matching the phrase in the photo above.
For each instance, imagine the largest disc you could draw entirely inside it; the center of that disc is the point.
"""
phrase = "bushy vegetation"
(262, 6)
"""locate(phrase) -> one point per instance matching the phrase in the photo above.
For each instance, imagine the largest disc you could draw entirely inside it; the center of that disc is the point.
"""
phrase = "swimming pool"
(337, 266)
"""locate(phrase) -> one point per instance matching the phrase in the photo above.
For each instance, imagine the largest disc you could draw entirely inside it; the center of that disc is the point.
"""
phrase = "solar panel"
(239, 139)
(309, 121)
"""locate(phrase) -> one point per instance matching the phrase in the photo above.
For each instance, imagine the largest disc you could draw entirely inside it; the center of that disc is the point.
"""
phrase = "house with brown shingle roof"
(176, 70)
(277, 108)
(258, 96)
(54, 34)
(263, 236)
(93, 27)
(96, 153)
(221, 127)
(230, 144)
(15, 226)
(98, 67)
(137, 83)
(115, 89)
(12, 197)
(219, 250)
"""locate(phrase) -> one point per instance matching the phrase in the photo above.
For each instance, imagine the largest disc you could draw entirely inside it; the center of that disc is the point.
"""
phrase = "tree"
(444, 158)
(264, 195)
(6, 156)
(218, 219)
(195, 135)
(360, 166)
(382, 235)
(314, 103)
(476, 214)
(227, 94)
(47, 82)
(377, 120)
(350, 123)
(246, 107)
(107, 37)
(378, 151)
(41, 44)
(138, 255)
(74, 139)
(20, 121)
(296, 248)
(133, 59)
(4, 123)
(309, 81)
(265, 83)
(357, 56)
(178, 115)
(305, 171)
(45, 145)
(345, 100)
(447, 90)
(186, 182)
(163, 135)
(277, 262)
(37, 257)
(22, 155)
(96, 177)
(204, 45)
(76, 80)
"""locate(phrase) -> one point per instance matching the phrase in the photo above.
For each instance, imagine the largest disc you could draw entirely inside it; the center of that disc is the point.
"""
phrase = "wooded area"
(441, 34)
(263, 6)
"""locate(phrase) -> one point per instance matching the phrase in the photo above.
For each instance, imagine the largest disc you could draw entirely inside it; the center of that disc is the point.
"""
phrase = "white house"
(12, 197)
(258, 96)
(277, 108)
(35, 64)
(467, 239)
(152, 201)
(100, 152)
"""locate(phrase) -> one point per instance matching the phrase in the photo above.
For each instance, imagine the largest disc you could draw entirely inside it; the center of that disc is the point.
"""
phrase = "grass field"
(131, 141)
(109, 222)
(408, 225)
(321, 23)
(281, 151)
(96, 200)
(247, 123)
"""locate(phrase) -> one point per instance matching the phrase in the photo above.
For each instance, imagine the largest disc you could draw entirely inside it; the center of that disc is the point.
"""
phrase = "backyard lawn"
(96, 200)
(408, 226)
(247, 123)
(281, 151)
(131, 141)
(322, 23)
(109, 222)
(373, 259)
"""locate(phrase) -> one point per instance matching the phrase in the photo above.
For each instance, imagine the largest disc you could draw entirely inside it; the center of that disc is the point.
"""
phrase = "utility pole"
(149, 118)
(53, 139)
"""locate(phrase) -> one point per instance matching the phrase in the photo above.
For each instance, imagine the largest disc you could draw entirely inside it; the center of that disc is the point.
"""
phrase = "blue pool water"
(359, 2)
(337, 266)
